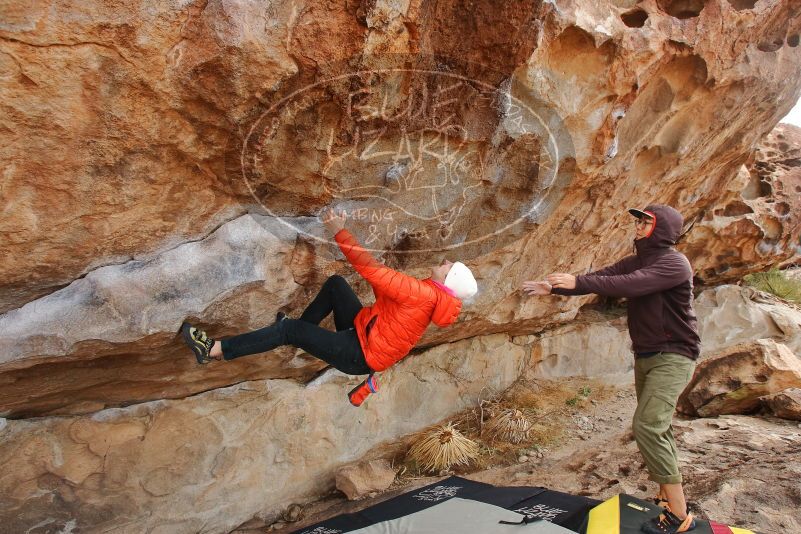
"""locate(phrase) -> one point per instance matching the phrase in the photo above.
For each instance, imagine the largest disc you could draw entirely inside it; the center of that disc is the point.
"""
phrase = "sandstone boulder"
(212, 461)
(785, 404)
(731, 314)
(133, 204)
(127, 135)
(359, 480)
(732, 381)
(598, 349)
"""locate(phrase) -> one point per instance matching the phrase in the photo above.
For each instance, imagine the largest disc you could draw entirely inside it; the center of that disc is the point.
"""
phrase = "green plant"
(583, 393)
(776, 283)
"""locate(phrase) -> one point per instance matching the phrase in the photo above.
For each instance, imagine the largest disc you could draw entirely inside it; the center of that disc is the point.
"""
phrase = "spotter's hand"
(562, 280)
(537, 287)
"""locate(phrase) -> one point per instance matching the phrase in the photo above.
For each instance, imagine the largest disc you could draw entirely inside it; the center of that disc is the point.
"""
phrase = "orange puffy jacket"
(403, 307)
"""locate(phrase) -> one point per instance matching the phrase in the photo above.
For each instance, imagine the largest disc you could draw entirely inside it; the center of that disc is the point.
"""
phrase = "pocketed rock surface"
(166, 161)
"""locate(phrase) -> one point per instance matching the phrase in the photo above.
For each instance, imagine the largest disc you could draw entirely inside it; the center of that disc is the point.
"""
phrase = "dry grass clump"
(442, 448)
(509, 425)
(529, 416)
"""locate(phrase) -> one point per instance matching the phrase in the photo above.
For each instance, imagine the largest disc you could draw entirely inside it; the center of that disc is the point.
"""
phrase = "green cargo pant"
(659, 380)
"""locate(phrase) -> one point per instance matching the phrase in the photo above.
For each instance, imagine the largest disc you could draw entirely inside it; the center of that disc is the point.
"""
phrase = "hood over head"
(666, 232)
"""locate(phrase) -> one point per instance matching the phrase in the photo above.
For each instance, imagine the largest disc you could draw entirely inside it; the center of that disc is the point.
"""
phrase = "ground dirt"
(740, 470)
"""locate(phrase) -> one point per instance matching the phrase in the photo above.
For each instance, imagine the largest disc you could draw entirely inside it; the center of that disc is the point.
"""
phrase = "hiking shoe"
(668, 523)
(199, 342)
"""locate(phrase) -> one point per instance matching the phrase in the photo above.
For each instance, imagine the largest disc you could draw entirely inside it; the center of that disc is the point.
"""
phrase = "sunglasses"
(643, 222)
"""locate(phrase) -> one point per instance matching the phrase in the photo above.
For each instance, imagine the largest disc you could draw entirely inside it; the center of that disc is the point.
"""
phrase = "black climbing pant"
(341, 349)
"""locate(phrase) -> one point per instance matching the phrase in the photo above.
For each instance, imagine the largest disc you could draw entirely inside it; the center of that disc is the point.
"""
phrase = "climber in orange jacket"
(367, 338)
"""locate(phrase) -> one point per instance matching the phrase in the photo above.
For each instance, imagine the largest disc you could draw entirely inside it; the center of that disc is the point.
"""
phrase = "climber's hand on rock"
(334, 220)
(562, 280)
(537, 287)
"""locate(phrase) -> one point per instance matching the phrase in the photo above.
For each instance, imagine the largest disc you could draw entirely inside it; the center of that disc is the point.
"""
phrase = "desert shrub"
(442, 448)
(776, 283)
(509, 425)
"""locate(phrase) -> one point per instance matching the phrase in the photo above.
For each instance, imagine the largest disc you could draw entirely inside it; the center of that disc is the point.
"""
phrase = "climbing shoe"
(280, 316)
(199, 342)
(668, 523)
(358, 394)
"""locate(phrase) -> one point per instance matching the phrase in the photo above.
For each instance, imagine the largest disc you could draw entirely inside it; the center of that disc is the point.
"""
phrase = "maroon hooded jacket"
(658, 283)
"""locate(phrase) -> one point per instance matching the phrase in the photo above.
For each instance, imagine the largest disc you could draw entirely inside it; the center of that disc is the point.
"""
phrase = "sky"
(794, 117)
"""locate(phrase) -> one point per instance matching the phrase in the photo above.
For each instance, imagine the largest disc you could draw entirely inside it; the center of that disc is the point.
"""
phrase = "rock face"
(212, 461)
(126, 316)
(253, 448)
(359, 480)
(733, 381)
(166, 161)
(138, 137)
(730, 314)
(757, 224)
(599, 349)
(785, 404)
